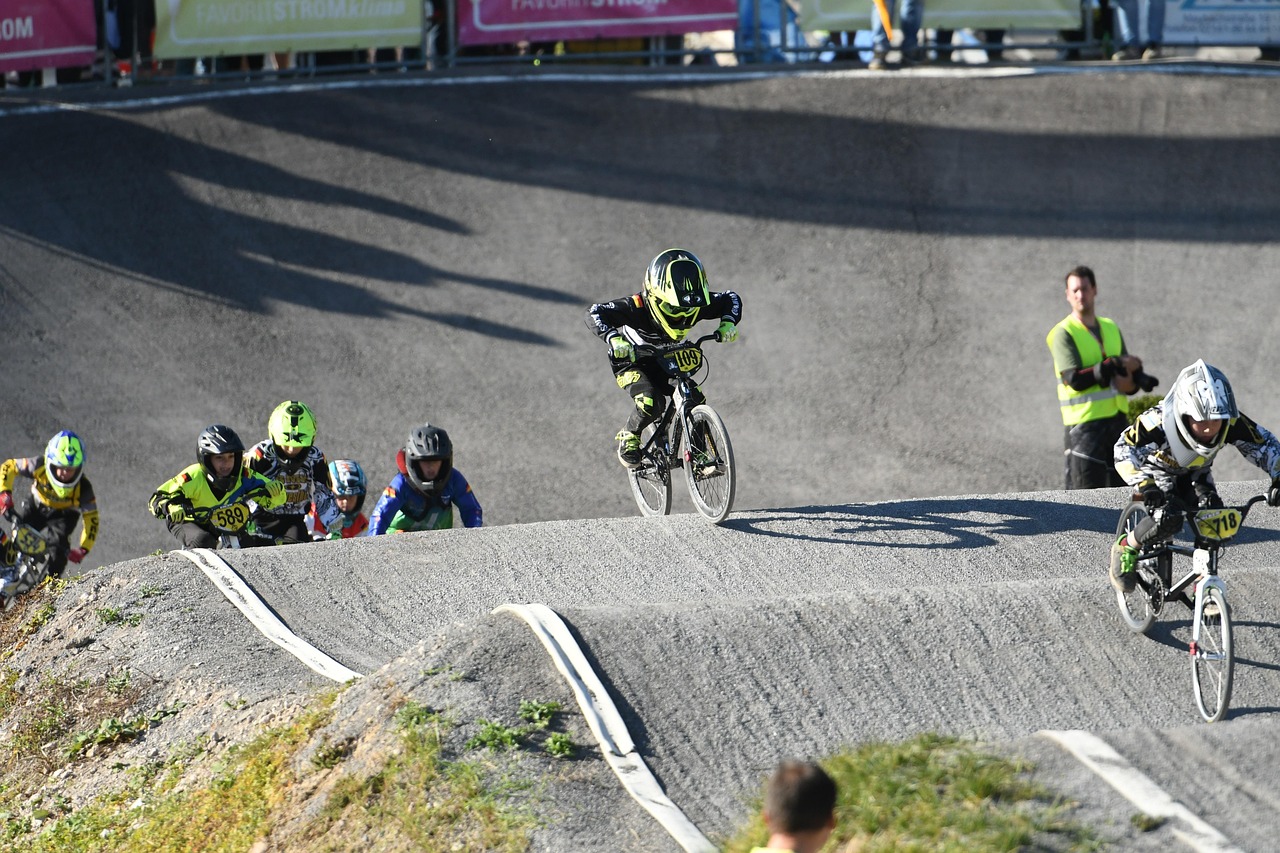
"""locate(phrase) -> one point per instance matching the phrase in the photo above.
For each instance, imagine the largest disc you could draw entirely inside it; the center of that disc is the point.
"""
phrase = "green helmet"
(65, 450)
(675, 289)
(292, 425)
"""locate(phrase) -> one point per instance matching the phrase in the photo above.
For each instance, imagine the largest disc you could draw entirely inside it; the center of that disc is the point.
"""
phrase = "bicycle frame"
(674, 422)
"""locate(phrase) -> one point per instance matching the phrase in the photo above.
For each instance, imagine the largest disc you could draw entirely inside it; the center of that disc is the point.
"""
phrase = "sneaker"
(1126, 54)
(1152, 52)
(628, 448)
(1124, 561)
(877, 62)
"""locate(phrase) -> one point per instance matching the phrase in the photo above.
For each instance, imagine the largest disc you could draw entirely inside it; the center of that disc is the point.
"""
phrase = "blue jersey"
(401, 500)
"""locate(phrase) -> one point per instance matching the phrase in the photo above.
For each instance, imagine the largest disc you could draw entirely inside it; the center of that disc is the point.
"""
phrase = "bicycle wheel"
(1139, 607)
(709, 470)
(651, 482)
(1212, 658)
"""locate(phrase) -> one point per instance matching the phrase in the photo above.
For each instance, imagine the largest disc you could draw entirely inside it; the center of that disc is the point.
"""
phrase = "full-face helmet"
(425, 443)
(214, 440)
(675, 290)
(292, 424)
(346, 478)
(1200, 393)
(65, 450)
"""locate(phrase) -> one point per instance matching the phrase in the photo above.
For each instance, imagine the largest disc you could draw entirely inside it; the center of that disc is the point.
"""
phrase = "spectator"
(799, 808)
(991, 39)
(911, 14)
(1094, 371)
(1127, 23)
(60, 495)
(423, 494)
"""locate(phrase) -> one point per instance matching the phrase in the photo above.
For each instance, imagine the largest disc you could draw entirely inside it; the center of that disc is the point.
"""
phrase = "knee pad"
(645, 405)
(1150, 531)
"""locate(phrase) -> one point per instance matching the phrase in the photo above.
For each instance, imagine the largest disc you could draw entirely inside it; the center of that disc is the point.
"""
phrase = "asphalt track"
(426, 249)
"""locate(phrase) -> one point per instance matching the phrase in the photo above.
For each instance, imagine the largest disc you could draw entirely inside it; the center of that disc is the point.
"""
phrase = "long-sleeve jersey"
(630, 317)
(1142, 453)
(305, 479)
(343, 527)
(230, 509)
(400, 496)
(81, 498)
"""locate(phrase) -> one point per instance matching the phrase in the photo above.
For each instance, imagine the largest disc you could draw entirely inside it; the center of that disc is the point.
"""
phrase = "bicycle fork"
(1206, 567)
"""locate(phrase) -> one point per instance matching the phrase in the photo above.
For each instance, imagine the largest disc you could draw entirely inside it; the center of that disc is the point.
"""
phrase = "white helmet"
(1200, 393)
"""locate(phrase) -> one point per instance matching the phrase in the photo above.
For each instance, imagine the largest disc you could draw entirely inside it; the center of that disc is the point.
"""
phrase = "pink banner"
(510, 21)
(46, 34)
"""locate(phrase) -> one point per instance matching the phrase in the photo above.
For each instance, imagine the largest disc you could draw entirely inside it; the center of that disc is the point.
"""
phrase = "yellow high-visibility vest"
(1098, 401)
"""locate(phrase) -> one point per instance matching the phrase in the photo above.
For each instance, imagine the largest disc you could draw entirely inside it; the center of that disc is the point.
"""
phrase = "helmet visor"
(679, 318)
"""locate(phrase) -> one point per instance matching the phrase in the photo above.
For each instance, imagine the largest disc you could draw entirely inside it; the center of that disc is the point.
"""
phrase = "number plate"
(1218, 524)
(230, 518)
(29, 541)
(688, 359)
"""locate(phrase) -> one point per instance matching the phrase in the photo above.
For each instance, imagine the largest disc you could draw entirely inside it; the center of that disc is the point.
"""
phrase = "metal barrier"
(438, 49)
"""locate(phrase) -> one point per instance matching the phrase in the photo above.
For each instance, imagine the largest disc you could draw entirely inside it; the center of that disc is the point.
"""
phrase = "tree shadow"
(973, 522)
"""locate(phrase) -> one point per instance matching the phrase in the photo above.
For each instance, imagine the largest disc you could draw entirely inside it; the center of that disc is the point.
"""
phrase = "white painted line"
(607, 725)
(1139, 789)
(238, 593)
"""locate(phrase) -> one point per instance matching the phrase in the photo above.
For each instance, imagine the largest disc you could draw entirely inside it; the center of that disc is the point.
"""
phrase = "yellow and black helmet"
(675, 289)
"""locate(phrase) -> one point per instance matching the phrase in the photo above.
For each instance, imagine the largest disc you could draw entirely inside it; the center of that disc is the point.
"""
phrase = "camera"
(1145, 381)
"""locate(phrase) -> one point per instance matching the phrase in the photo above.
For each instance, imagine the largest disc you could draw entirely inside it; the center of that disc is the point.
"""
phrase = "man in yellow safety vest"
(1095, 374)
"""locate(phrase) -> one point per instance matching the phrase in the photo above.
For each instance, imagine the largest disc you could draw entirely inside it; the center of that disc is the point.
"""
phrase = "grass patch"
(416, 800)
(938, 794)
(419, 801)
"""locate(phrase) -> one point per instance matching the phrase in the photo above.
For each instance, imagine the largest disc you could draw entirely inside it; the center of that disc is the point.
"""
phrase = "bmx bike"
(687, 435)
(1200, 589)
(30, 553)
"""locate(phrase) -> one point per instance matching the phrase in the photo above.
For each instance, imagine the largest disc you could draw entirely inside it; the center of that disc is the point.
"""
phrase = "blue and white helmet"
(64, 451)
(347, 479)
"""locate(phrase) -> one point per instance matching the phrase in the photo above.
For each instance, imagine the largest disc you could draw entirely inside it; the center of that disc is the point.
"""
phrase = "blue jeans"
(912, 13)
(1127, 22)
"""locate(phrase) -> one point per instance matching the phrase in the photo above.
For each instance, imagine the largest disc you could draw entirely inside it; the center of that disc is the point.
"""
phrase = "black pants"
(286, 529)
(1090, 453)
(192, 535)
(56, 526)
(649, 387)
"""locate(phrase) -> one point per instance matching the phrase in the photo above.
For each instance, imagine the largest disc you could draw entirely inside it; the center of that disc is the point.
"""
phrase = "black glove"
(1111, 367)
(1153, 498)
(1208, 499)
(1273, 493)
(1145, 381)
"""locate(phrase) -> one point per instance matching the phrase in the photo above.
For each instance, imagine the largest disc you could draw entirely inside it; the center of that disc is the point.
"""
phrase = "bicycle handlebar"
(664, 349)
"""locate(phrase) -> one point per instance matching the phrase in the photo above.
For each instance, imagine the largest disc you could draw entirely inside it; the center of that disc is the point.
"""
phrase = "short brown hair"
(1083, 272)
(801, 797)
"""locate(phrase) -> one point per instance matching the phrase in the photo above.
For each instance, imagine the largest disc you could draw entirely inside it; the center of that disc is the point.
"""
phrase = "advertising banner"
(510, 21)
(1245, 22)
(948, 14)
(46, 34)
(189, 28)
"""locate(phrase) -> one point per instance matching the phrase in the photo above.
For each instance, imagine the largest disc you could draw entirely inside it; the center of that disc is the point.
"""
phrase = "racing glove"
(75, 555)
(621, 348)
(727, 333)
(1273, 493)
(1152, 497)
(6, 503)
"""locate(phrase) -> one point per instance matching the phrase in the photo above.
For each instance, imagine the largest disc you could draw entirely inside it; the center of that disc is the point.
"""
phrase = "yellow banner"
(947, 14)
(189, 28)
